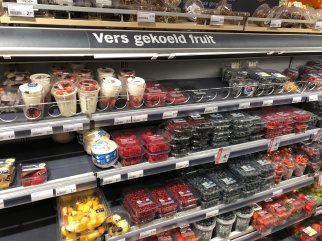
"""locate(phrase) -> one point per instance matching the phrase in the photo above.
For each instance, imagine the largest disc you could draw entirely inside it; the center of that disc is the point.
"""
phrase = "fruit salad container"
(117, 225)
(7, 172)
(139, 206)
(176, 96)
(33, 174)
(231, 187)
(153, 141)
(183, 195)
(224, 224)
(154, 95)
(208, 191)
(204, 229)
(301, 162)
(263, 220)
(243, 217)
(166, 205)
(82, 214)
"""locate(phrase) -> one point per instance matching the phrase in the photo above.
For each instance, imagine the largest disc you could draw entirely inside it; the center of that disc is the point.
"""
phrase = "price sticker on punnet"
(222, 155)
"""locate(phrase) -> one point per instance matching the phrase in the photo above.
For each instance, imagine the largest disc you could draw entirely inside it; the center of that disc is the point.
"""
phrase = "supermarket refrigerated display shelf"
(255, 235)
(150, 114)
(194, 159)
(69, 170)
(196, 214)
(25, 129)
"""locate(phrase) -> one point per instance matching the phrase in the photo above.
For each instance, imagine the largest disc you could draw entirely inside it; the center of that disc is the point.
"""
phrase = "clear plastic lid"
(154, 141)
(200, 123)
(243, 169)
(88, 85)
(219, 120)
(166, 205)
(206, 188)
(239, 118)
(184, 196)
(139, 203)
(63, 87)
(179, 128)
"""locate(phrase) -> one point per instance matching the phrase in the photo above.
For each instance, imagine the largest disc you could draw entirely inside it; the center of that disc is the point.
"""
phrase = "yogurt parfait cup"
(135, 87)
(110, 90)
(88, 95)
(43, 80)
(64, 92)
(32, 95)
(123, 76)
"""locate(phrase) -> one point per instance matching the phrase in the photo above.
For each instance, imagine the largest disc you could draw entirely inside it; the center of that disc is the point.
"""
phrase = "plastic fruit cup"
(123, 75)
(64, 92)
(32, 95)
(135, 88)
(88, 95)
(104, 72)
(110, 90)
(43, 80)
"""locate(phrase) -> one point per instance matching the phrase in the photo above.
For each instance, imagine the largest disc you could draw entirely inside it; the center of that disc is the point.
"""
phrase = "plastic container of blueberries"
(239, 118)
(219, 120)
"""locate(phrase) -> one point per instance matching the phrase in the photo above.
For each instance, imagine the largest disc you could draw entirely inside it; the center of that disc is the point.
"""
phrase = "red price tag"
(273, 144)
(222, 155)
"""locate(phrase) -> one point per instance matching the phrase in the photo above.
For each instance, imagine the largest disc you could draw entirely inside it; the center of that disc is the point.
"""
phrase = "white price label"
(297, 99)
(136, 174)
(112, 179)
(36, 196)
(1, 204)
(277, 192)
(210, 109)
(122, 120)
(318, 212)
(183, 164)
(276, 23)
(139, 118)
(268, 102)
(222, 155)
(244, 105)
(273, 144)
(145, 17)
(7, 135)
(320, 180)
(212, 213)
(73, 127)
(27, 1)
(65, 190)
(317, 135)
(170, 114)
(318, 25)
(48, 130)
(313, 98)
(217, 20)
(101, 3)
(21, 10)
(148, 233)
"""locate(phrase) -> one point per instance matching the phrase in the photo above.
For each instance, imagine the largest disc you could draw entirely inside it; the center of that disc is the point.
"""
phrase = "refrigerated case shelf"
(197, 214)
(25, 129)
(194, 159)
